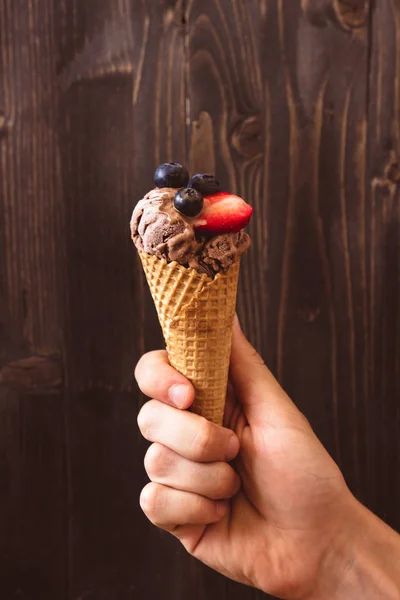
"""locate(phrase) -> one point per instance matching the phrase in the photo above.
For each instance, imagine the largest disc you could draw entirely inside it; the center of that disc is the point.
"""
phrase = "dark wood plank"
(33, 539)
(317, 305)
(383, 263)
(30, 200)
(33, 530)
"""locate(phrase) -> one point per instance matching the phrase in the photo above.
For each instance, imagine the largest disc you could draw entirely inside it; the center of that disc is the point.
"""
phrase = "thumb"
(262, 398)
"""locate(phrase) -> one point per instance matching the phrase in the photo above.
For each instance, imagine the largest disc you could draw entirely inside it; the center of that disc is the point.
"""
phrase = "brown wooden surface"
(293, 104)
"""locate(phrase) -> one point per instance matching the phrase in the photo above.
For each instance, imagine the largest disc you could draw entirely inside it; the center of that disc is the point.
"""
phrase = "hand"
(281, 531)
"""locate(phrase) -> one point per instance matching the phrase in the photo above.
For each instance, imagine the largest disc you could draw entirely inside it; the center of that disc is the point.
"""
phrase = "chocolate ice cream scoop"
(209, 241)
(157, 228)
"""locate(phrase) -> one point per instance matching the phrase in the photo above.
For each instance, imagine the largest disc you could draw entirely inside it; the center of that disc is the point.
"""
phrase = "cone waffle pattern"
(196, 315)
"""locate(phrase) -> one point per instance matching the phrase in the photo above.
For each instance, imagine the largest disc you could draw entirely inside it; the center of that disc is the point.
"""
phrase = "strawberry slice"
(223, 213)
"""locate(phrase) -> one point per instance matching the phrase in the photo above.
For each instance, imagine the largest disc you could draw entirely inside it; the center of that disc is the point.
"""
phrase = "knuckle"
(204, 509)
(145, 419)
(306, 422)
(203, 438)
(146, 367)
(151, 500)
(156, 461)
(199, 505)
(146, 499)
(146, 371)
(298, 420)
(225, 482)
(256, 358)
(141, 368)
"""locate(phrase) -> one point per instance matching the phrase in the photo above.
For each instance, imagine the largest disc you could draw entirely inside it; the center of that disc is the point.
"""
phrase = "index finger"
(157, 379)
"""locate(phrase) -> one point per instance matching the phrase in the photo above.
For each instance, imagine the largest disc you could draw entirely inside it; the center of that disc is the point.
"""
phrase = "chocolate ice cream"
(158, 228)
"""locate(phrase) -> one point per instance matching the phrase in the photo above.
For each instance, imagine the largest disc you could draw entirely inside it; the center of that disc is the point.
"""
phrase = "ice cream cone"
(196, 315)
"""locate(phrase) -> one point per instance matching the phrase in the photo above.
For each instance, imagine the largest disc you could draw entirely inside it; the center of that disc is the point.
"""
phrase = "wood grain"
(383, 263)
(295, 106)
(33, 541)
(348, 14)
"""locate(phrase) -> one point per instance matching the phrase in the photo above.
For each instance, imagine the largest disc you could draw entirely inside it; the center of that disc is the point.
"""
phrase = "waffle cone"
(196, 315)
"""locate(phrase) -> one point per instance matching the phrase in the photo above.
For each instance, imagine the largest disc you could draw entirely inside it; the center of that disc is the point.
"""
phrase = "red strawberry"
(223, 213)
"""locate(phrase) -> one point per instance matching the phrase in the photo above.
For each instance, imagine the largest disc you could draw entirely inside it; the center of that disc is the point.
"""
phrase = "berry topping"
(171, 175)
(223, 213)
(188, 202)
(205, 183)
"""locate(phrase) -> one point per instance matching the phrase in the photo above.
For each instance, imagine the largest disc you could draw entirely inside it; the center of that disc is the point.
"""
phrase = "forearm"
(375, 569)
(368, 565)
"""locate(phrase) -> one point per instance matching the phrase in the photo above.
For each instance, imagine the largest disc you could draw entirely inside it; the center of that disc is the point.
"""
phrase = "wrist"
(363, 559)
(338, 560)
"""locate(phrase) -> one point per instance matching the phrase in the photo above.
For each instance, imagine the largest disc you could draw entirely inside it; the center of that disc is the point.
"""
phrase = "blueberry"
(188, 202)
(171, 175)
(205, 183)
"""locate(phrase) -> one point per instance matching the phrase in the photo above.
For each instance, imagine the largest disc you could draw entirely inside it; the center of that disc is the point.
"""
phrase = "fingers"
(157, 379)
(261, 396)
(167, 508)
(187, 434)
(214, 480)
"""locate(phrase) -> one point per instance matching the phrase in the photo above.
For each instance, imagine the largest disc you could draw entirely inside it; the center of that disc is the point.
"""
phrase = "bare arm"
(367, 563)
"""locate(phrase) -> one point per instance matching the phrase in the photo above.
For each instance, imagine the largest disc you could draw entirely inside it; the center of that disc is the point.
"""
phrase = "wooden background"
(295, 105)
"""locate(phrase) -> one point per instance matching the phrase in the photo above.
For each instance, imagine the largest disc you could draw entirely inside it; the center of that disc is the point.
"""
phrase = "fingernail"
(178, 394)
(232, 448)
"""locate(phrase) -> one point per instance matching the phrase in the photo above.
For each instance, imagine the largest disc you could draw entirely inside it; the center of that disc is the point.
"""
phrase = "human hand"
(282, 530)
